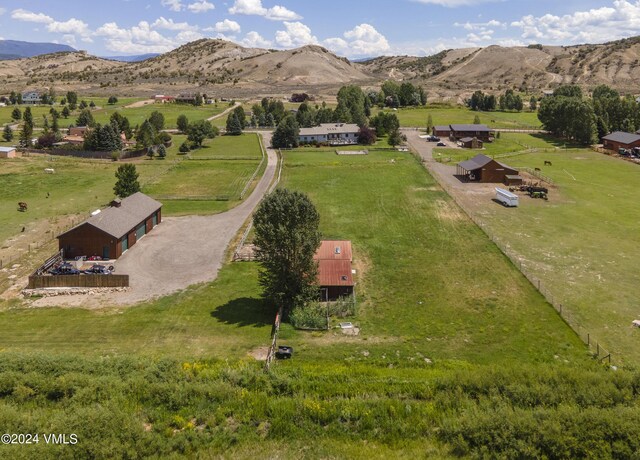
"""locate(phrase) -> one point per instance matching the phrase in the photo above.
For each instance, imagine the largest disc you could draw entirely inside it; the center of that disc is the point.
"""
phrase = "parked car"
(94, 258)
(435, 138)
(97, 269)
(65, 269)
(284, 352)
(441, 144)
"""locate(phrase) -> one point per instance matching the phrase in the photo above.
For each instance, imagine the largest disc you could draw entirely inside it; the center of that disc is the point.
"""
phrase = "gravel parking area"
(180, 252)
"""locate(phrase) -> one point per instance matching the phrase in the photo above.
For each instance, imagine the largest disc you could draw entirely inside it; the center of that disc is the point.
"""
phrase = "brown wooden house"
(112, 231)
(481, 168)
(471, 143)
(442, 131)
(334, 270)
(482, 132)
(621, 140)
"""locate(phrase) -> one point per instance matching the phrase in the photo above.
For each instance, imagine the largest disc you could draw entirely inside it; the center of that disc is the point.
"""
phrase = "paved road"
(180, 252)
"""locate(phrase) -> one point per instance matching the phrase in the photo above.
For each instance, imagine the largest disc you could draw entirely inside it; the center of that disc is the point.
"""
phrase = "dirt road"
(180, 252)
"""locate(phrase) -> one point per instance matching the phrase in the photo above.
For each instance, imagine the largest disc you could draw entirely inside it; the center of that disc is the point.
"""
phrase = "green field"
(508, 143)
(583, 243)
(136, 115)
(458, 355)
(446, 115)
(79, 186)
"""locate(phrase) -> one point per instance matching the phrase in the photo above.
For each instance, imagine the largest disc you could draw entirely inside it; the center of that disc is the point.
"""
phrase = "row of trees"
(569, 114)
(507, 101)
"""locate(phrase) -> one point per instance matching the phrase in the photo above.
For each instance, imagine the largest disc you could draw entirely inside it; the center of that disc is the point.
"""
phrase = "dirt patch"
(140, 104)
(447, 211)
(260, 353)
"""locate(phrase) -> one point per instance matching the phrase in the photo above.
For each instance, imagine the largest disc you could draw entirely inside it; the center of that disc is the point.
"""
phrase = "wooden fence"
(80, 281)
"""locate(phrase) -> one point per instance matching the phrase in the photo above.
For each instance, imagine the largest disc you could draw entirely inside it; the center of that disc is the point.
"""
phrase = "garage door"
(125, 243)
(140, 231)
(155, 219)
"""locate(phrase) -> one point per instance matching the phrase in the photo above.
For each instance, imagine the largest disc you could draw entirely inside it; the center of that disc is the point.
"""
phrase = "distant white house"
(8, 152)
(31, 97)
(330, 133)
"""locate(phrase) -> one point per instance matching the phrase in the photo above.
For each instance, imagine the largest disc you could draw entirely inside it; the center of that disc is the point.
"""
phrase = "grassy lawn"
(80, 186)
(583, 243)
(460, 115)
(136, 115)
(507, 143)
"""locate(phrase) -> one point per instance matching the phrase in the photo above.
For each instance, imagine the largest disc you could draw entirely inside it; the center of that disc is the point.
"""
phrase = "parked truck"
(506, 197)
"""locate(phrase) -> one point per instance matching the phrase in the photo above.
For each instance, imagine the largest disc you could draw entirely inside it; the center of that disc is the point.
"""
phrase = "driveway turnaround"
(181, 251)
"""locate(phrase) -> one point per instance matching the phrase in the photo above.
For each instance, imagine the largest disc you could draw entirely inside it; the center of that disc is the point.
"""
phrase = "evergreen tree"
(429, 124)
(127, 181)
(234, 127)
(476, 120)
(113, 100)
(157, 120)
(26, 134)
(162, 151)
(7, 134)
(146, 134)
(66, 112)
(16, 114)
(85, 118)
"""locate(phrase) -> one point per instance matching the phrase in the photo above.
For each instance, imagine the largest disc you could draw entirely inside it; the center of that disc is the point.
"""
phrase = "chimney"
(116, 203)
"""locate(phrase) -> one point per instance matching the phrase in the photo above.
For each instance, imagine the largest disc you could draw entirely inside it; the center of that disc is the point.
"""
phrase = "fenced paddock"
(352, 152)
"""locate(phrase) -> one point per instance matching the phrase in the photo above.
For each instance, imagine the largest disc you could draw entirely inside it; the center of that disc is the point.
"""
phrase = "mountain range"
(225, 68)
(14, 49)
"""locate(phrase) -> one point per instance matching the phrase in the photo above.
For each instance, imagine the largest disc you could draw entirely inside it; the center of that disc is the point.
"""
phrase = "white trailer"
(506, 197)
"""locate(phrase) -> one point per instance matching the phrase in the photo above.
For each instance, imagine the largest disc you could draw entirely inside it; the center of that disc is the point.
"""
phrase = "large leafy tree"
(146, 134)
(286, 134)
(287, 237)
(199, 131)
(351, 105)
(182, 123)
(157, 120)
(127, 181)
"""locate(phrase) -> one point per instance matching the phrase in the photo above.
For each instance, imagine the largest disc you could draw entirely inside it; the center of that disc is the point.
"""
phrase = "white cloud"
(593, 26)
(69, 39)
(137, 39)
(453, 3)
(72, 26)
(201, 6)
(254, 40)
(168, 24)
(188, 36)
(227, 26)
(362, 40)
(480, 31)
(255, 8)
(297, 34)
(173, 5)
(28, 16)
(2, 11)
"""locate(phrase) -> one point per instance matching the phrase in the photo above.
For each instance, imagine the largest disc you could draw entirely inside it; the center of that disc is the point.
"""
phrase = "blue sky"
(351, 28)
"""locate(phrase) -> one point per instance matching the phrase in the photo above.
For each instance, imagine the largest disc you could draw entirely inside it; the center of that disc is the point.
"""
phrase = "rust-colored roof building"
(334, 269)
(481, 168)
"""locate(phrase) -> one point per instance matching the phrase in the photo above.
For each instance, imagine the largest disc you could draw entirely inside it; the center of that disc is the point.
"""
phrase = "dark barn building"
(481, 168)
(334, 270)
(113, 230)
(471, 143)
(481, 132)
(442, 131)
(620, 140)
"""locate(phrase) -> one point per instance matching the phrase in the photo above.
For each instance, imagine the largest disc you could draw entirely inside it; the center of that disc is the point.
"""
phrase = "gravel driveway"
(180, 252)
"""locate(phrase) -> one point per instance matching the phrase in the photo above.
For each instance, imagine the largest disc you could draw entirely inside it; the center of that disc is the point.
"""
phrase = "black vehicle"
(284, 352)
(441, 144)
(435, 138)
(97, 269)
(65, 269)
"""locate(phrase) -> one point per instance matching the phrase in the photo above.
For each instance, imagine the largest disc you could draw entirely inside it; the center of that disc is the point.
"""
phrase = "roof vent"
(343, 277)
(338, 250)
(96, 212)
(116, 203)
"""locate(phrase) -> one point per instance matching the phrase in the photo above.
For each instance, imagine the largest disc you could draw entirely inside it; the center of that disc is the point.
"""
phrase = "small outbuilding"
(511, 180)
(471, 143)
(481, 168)
(334, 270)
(621, 140)
(110, 232)
(8, 152)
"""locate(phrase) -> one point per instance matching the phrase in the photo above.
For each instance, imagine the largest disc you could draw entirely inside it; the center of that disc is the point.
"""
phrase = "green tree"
(121, 124)
(286, 134)
(351, 106)
(55, 126)
(7, 134)
(476, 120)
(85, 118)
(146, 134)
(242, 116)
(199, 131)
(72, 98)
(151, 152)
(429, 124)
(127, 181)
(26, 134)
(396, 138)
(183, 123)
(83, 105)
(92, 105)
(16, 114)
(162, 151)
(157, 120)
(113, 100)
(185, 147)
(286, 228)
(103, 138)
(234, 127)
(533, 103)
(66, 112)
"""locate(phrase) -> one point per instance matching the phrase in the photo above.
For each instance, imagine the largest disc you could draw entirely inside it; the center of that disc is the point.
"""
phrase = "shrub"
(310, 316)
(185, 147)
